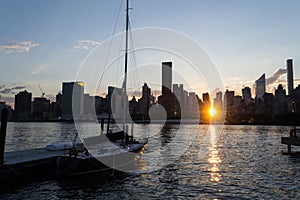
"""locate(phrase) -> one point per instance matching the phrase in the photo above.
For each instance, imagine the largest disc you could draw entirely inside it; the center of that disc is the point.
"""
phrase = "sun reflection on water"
(214, 158)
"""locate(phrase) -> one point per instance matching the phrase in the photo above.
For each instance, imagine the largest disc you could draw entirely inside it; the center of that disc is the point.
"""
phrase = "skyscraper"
(280, 101)
(218, 100)
(72, 99)
(178, 100)
(228, 99)
(166, 99)
(114, 101)
(23, 105)
(246, 92)
(290, 79)
(166, 78)
(260, 87)
(145, 100)
(205, 97)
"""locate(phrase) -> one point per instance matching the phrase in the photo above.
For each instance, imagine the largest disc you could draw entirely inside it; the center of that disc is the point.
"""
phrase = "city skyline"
(259, 87)
(177, 102)
(242, 38)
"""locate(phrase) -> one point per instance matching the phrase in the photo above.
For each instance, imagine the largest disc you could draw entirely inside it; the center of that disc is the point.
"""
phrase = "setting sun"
(212, 112)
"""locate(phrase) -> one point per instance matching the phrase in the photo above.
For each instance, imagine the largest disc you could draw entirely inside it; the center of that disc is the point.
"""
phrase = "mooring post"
(108, 122)
(102, 125)
(3, 134)
(289, 149)
(294, 116)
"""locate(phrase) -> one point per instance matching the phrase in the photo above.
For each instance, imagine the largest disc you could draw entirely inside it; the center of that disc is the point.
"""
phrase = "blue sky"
(45, 42)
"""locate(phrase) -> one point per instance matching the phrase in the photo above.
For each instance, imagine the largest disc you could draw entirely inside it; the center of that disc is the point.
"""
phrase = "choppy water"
(180, 162)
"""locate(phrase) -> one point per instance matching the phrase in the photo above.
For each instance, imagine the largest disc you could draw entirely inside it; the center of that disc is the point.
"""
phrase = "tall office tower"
(218, 100)
(145, 102)
(246, 92)
(260, 87)
(297, 96)
(205, 97)
(166, 99)
(72, 99)
(23, 105)
(166, 78)
(115, 102)
(228, 99)
(290, 79)
(280, 101)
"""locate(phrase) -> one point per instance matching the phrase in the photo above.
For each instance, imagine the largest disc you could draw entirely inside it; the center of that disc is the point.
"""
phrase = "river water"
(180, 162)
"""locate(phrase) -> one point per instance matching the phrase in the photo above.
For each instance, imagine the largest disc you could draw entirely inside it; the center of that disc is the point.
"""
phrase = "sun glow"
(212, 112)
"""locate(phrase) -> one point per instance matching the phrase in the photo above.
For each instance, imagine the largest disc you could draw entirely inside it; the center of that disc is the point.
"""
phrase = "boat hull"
(68, 166)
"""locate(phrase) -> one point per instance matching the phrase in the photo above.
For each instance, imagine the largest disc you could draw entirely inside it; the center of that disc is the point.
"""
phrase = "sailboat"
(113, 150)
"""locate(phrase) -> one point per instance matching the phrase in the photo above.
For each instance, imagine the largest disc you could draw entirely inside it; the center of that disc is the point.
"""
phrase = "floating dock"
(293, 140)
(28, 164)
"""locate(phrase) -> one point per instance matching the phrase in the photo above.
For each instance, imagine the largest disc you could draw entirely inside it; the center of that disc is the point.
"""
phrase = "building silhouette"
(260, 87)
(40, 108)
(9, 109)
(72, 99)
(228, 104)
(114, 101)
(179, 99)
(290, 78)
(166, 99)
(205, 98)
(146, 100)
(297, 98)
(57, 107)
(23, 105)
(280, 101)
(246, 93)
(166, 78)
(218, 101)
(89, 104)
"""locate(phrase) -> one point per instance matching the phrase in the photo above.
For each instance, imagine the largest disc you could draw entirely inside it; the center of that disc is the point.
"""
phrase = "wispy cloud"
(18, 47)
(11, 90)
(85, 44)
(39, 69)
(276, 76)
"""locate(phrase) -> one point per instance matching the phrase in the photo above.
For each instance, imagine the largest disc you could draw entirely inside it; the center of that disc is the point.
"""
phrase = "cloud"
(38, 69)
(276, 76)
(85, 44)
(18, 47)
(12, 90)
(8, 100)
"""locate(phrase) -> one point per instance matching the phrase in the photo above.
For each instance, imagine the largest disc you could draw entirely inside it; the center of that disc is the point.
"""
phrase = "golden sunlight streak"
(214, 158)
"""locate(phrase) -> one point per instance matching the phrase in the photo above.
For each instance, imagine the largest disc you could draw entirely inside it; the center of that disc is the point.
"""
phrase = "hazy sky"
(45, 42)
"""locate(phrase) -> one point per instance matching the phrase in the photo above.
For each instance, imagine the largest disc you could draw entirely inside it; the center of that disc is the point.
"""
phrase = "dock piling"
(3, 134)
(102, 125)
(293, 139)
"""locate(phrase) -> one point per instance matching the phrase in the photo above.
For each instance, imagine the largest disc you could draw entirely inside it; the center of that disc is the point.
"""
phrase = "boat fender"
(73, 152)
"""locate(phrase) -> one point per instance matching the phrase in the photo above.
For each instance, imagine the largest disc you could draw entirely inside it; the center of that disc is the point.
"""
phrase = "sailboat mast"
(126, 63)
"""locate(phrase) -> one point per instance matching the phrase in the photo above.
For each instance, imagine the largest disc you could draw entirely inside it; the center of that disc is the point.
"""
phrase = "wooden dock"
(29, 155)
(293, 140)
(29, 164)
